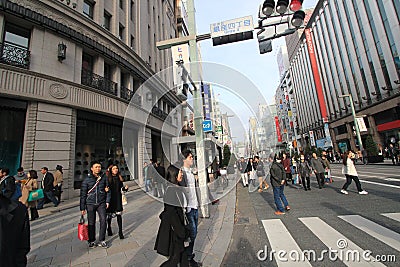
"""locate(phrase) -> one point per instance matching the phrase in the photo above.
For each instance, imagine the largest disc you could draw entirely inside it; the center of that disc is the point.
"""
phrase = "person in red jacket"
(286, 166)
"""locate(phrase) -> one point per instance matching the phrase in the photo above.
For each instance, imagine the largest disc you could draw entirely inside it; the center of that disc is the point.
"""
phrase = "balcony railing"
(161, 114)
(98, 82)
(129, 95)
(16, 55)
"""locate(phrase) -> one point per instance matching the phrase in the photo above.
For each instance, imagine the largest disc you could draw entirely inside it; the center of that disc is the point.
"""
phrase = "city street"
(319, 218)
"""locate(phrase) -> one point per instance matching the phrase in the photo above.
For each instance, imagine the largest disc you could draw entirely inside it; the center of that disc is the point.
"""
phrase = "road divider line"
(336, 241)
(381, 233)
(369, 182)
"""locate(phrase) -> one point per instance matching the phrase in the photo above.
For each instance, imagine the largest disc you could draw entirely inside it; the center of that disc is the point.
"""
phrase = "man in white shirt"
(192, 205)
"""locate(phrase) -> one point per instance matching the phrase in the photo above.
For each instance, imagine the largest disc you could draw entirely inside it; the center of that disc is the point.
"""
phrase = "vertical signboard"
(317, 79)
(206, 100)
(278, 129)
(312, 139)
(361, 124)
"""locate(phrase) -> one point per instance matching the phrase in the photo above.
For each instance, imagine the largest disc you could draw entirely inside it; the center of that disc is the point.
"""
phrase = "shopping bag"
(83, 231)
(124, 199)
(35, 195)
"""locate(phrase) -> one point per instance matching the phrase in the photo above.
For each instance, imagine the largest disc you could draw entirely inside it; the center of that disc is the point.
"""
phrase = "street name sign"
(233, 30)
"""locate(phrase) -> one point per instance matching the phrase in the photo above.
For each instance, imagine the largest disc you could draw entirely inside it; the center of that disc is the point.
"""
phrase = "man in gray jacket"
(319, 169)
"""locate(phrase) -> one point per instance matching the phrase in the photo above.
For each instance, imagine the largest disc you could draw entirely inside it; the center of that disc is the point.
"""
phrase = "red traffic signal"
(296, 5)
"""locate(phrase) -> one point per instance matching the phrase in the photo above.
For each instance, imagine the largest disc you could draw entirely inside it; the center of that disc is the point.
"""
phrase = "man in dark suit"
(48, 188)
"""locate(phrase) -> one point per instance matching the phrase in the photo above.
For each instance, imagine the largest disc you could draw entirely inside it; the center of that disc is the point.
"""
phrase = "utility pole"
(198, 107)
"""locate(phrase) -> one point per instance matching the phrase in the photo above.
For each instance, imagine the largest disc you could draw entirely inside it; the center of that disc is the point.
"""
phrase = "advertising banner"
(278, 129)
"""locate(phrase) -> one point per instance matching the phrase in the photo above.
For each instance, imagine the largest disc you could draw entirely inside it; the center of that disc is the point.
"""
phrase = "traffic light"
(296, 5)
(265, 46)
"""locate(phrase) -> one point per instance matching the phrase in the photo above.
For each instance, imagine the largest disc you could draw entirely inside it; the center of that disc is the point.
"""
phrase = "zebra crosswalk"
(338, 246)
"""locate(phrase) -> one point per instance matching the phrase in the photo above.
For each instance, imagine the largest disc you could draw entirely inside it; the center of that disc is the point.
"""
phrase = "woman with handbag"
(115, 184)
(260, 172)
(172, 231)
(30, 185)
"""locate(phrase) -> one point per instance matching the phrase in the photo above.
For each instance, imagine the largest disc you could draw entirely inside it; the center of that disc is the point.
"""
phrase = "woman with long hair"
(172, 233)
(30, 185)
(349, 170)
(115, 183)
(258, 169)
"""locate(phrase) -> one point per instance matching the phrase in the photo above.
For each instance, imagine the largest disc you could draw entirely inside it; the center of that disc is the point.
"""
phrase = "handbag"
(83, 231)
(35, 195)
(124, 199)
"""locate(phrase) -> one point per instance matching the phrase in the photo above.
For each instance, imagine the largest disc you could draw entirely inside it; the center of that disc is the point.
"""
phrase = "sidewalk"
(386, 162)
(54, 239)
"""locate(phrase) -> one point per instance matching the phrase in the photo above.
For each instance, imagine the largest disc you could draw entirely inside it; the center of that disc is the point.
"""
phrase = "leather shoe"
(193, 263)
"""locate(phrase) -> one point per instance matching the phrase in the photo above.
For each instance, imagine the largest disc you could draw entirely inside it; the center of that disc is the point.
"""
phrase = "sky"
(242, 56)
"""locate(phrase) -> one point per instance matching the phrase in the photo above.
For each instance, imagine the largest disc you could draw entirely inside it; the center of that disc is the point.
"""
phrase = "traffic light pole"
(198, 116)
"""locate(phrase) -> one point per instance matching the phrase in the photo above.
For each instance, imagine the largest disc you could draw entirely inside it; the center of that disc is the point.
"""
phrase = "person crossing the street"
(349, 170)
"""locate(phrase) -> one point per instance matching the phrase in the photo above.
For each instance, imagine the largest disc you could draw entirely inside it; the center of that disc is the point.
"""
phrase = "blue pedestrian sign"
(207, 126)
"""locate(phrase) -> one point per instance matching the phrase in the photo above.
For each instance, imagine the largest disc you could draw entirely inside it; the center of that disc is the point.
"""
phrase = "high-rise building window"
(132, 42)
(107, 20)
(88, 7)
(121, 32)
(132, 10)
(121, 4)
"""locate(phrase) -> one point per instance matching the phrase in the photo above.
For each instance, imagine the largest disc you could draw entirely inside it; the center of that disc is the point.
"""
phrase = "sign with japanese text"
(233, 30)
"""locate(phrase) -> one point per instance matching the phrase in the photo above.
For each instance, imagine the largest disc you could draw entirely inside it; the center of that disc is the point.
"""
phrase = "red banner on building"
(278, 129)
(317, 79)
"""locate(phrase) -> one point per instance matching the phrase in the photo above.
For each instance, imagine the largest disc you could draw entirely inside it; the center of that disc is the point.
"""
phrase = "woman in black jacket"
(171, 234)
(115, 184)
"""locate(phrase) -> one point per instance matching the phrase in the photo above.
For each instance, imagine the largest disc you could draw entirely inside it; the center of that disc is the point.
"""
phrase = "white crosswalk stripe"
(335, 240)
(281, 240)
(347, 251)
(381, 233)
(393, 216)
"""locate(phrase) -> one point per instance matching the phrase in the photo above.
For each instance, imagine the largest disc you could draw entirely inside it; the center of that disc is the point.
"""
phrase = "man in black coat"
(14, 233)
(48, 188)
(7, 183)
(95, 197)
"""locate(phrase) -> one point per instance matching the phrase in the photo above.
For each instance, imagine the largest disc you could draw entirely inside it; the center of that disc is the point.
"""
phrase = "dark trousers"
(280, 197)
(193, 218)
(58, 192)
(47, 195)
(91, 214)
(320, 179)
(348, 182)
(303, 180)
(173, 261)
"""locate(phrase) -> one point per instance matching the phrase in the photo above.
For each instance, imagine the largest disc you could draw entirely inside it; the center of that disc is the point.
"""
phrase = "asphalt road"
(321, 221)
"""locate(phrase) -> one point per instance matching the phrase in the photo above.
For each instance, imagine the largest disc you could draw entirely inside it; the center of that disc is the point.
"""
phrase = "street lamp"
(353, 111)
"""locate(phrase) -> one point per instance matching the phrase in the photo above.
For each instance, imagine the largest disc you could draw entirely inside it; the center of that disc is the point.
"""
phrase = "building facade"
(69, 71)
(349, 48)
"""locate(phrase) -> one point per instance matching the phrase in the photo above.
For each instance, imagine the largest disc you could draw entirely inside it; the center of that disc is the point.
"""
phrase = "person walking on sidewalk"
(304, 170)
(48, 188)
(349, 170)
(172, 233)
(192, 213)
(30, 185)
(14, 233)
(95, 197)
(243, 171)
(278, 180)
(115, 185)
(319, 169)
(58, 181)
(393, 154)
(260, 173)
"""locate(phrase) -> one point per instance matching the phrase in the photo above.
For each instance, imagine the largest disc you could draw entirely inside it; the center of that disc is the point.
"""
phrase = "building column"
(374, 131)
(350, 136)
(2, 22)
(50, 141)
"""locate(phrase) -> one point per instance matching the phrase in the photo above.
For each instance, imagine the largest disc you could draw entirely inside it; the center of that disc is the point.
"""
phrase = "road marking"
(381, 233)
(369, 182)
(393, 216)
(330, 237)
(392, 179)
(280, 239)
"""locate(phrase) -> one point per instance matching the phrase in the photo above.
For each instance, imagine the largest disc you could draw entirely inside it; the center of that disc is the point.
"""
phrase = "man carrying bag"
(95, 196)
